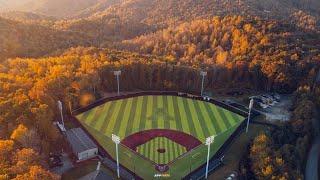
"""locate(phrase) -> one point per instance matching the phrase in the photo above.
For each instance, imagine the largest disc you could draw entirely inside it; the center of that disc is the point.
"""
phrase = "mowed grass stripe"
(200, 130)
(149, 111)
(143, 117)
(213, 119)
(157, 146)
(237, 118)
(83, 116)
(173, 102)
(160, 154)
(165, 106)
(160, 116)
(191, 121)
(151, 156)
(132, 115)
(147, 150)
(176, 149)
(137, 117)
(224, 117)
(90, 118)
(229, 117)
(170, 152)
(121, 113)
(102, 118)
(183, 115)
(91, 115)
(165, 141)
(106, 117)
(112, 119)
(125, 121)
(206, 126)
(218, 118)
(167, 151)
(206, 117)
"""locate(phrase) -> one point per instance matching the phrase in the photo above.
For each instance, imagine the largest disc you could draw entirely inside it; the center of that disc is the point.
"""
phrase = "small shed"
(82, 146)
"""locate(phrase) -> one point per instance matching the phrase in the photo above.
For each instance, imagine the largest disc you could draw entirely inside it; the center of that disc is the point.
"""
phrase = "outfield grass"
(128, 116)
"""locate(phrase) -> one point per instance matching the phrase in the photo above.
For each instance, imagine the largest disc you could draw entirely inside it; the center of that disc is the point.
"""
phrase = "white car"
(263, 105)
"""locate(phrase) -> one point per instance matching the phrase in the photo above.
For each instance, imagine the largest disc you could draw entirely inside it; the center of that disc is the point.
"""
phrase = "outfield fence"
(189, 165)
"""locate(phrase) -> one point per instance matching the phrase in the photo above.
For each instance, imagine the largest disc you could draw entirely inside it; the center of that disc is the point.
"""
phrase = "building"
(82, 146)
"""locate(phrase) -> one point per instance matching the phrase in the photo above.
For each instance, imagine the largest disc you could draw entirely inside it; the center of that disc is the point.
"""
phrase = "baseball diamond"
(160, 128)
(161, 150)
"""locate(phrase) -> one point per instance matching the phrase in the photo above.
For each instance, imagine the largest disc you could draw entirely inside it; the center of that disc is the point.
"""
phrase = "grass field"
(172, 150)
(128, 116)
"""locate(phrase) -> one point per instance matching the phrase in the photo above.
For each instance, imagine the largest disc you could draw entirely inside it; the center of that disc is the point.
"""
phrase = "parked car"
(264, 106)
(55, 160)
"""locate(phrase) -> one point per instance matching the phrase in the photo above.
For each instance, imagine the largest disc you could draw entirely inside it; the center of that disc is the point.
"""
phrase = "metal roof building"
(82, 146)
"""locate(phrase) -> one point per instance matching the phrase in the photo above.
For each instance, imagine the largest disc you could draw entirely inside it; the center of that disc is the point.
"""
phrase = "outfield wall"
(189, 166)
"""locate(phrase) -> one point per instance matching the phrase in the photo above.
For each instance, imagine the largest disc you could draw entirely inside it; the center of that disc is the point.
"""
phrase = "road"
(312, 162)
(311, 172)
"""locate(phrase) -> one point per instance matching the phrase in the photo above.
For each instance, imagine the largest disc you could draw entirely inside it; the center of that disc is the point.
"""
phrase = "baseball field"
(158, 129)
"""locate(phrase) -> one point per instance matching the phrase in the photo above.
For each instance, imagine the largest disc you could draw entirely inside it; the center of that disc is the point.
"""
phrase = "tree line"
(282, 153)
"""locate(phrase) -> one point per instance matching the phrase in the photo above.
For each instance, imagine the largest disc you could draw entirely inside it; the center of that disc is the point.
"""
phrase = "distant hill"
(57, 8)
(31, 40)
(162, 12)
(29, 17)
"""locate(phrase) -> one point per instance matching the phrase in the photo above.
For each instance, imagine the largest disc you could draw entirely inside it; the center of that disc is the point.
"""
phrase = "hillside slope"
(57, 8)
(30, 40)
(167, 11)
(239, 41)
(129, 18)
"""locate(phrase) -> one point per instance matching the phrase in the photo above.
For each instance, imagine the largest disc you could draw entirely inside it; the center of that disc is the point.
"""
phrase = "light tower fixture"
(61, 113)
(209, 141)
(249, 113)
(203, 74)
(117, 74)
(116, 140)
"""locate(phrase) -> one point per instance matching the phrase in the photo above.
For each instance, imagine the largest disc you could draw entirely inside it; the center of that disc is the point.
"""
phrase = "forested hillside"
(279, 51)
(57, 8)
(161, 13)
(32, 40)
(28, 17)
(30, 89)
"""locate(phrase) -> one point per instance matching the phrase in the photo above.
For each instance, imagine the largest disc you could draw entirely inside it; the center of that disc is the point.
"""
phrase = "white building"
(82, 146)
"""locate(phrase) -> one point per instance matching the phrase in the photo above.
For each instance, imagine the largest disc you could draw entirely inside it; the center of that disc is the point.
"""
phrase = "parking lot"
(274, 108)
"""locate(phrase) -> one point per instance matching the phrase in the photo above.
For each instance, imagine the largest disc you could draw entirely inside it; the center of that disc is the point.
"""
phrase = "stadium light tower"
(60, 109)
(117, 74)
(250, 107)
(203, 74)
(116, 140)
(209, 141)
